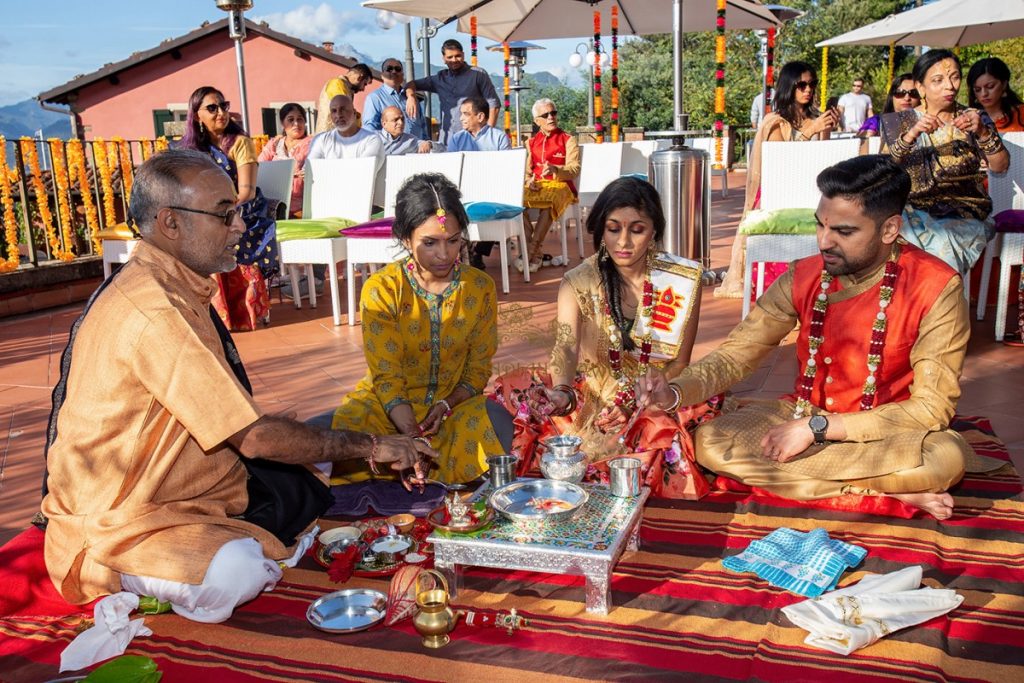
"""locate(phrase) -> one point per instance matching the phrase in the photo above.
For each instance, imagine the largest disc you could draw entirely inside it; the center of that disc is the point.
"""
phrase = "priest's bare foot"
(938, 505)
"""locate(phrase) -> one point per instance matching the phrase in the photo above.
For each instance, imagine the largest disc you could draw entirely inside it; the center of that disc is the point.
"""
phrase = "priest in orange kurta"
(151, 422)
(883, 333)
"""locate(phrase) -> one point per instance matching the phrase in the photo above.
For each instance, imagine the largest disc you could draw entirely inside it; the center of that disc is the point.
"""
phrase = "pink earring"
(410, 266)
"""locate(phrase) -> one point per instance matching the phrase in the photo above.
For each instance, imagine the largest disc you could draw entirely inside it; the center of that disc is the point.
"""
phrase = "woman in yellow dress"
(624, 308)
(429, 334)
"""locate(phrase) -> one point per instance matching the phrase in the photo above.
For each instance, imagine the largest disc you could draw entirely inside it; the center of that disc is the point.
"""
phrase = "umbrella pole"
(679, 117)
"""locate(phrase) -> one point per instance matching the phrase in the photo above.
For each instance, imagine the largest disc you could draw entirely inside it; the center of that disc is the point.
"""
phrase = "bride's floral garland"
(626, 395)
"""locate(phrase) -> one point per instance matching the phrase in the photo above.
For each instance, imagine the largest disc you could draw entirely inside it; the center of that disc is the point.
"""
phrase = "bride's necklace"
(626, 395)
(816, 338)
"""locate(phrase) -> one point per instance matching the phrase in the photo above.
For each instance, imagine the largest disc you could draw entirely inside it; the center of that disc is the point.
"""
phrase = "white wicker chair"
(275, 179)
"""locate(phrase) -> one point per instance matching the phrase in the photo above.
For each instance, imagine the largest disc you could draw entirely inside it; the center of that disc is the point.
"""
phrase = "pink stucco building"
(135, 97)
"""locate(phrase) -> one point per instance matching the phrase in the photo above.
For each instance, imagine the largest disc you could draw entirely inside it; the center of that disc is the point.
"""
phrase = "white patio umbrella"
(548, 19)
(944, 23)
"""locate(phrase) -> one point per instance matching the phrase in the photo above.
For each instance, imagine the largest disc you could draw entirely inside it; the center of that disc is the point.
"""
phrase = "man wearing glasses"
(349, 84)
(855, 106)
(392, 94)
(552, 161)
(154, 433)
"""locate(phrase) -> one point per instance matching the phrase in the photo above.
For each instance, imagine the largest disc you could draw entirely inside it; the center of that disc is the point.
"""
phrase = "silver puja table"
(588, 544)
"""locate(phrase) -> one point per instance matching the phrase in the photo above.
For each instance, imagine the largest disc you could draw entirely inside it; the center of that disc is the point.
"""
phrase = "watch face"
(818, 423)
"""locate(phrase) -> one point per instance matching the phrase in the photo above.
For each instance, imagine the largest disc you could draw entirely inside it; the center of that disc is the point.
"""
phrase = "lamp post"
(576, 60)
(236, 30)
(517, 60)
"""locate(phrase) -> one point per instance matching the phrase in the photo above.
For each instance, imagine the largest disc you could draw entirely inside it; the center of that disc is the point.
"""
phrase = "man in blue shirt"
(392, 94)
(476, 135)
(452, 88)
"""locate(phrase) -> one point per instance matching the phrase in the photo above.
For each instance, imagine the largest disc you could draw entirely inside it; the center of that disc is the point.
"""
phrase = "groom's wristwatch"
(818, 425)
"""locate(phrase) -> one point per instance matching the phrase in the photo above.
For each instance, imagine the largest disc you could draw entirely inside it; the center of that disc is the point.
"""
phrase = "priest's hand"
(612, 419)
(784, 442)
(544, 402)
(405, 453)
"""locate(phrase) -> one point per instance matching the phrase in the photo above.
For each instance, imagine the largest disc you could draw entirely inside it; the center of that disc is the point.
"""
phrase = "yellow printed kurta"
(419, 347)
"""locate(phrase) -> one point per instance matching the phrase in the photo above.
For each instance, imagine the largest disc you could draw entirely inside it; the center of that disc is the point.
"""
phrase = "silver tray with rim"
(348, 611)
(519, 500)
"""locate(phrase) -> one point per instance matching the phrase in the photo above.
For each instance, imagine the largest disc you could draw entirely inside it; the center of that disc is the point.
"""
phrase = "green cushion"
(778, 222)
(311, 228)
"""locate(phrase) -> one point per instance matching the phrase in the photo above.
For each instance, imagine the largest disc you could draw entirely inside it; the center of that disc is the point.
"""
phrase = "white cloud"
(316, 24)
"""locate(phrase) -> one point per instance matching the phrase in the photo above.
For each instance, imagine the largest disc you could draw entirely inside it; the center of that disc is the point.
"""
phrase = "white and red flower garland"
(816, 337)
(626, 395)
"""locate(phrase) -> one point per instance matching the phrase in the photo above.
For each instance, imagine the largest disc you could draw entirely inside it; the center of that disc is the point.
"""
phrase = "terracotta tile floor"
(302, 363)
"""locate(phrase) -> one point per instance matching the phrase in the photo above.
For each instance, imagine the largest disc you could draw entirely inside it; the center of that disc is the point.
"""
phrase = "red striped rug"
(677, 614)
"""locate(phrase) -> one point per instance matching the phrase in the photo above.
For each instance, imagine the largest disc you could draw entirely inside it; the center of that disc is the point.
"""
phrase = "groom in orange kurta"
(883, 332)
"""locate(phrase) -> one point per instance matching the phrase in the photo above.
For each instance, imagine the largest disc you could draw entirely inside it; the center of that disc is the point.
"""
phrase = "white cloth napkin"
(848, 619)
(109, 637)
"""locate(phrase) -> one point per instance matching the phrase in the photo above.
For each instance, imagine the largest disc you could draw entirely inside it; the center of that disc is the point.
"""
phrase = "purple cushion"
(1011, 220)
(380, 227)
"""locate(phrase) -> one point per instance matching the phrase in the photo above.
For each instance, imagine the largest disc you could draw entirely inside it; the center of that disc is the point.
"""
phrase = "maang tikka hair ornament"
(441, 214)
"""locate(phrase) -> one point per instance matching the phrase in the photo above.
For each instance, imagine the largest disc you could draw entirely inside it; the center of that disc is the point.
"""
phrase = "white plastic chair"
(334, 188)
(376, 250)
(497, 177)
(874, 145)
(1007, 192)
(789, 173)
(600, 164)
(275, 179)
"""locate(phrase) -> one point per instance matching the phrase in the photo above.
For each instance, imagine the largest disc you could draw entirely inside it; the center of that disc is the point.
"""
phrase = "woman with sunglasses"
(943, 147)
(988, 88)
(294, 144)
(242, 299)
(794, 119)
(430, 331)
(902, 96)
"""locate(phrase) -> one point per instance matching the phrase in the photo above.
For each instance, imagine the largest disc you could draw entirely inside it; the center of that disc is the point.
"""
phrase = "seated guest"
(396, 141)
(944, 148)
(351, 83)
(242, 299)
(294, 144)
(154, 431)
(882, 334)
(346, 140)
(988, 88)
(794, 118)
(429, 333)
(552, 161)
(627, 306)
(476, 135)
(902, 96)
(392, 94)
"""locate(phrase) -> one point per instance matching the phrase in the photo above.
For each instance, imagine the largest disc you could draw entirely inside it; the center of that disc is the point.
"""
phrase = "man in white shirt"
(855, 106)
(346, 140)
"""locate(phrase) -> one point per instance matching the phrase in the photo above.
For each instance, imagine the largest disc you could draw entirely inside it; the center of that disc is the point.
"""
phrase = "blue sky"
(47, 42)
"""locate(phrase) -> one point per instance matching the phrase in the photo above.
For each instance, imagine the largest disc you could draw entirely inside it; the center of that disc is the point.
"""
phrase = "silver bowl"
(539, 500)
(348, 611)
(563, 445)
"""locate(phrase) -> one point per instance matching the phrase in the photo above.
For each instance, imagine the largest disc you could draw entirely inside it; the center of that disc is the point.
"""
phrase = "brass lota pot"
(434, 619)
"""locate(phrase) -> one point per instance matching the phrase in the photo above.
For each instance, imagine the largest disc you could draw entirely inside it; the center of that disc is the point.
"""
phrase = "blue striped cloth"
(807, 564)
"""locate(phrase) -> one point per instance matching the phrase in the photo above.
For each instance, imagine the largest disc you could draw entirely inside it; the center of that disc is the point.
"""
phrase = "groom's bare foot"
(938, 505)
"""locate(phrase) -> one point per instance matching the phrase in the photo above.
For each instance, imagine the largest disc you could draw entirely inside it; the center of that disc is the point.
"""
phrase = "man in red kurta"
(883, 333)
(552, 161)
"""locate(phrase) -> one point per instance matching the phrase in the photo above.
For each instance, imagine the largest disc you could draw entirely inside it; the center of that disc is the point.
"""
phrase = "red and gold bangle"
(373, 454)
(565, 388)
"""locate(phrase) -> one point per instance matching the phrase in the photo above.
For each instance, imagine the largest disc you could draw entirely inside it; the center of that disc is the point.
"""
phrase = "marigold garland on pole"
(28, 151)
(824, 78)
(99, 151)
(892, 64)
(146, 147)
(161, 144)
(769, 72)
(472, 40)
(78, 170)
(615, 73)
(62, 188)
(127, 171)
(719, 84)
(12, 258)
(508, 113)
(598, 125)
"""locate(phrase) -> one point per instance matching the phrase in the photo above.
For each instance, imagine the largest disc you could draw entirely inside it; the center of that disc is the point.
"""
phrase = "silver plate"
(348, 611)
(519, 500)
